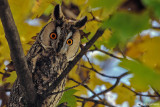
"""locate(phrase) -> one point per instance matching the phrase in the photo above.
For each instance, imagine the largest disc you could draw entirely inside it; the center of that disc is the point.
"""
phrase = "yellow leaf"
(41, 5)
(21, 9)
(157, 104)
(91, 104)
(92, 26)
(11, 78)
(1, 29)
(124, 95)
(74, 74)
(4, 49)
(138, 86)
(1, 75)
(103, 40)
(146, 50)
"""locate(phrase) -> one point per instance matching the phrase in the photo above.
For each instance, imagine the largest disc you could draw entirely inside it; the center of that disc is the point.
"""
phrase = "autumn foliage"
(131, 40)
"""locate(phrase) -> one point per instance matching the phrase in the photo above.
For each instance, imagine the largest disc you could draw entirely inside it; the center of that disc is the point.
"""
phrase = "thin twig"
(85, 87)
(2, 73)
(83, 103)
(89, 61)
(5, 90)
(156, 28)
(69, 88)
(107, 53)
(112, 87)
(93, 69)
(94, 18)
(156, 92)
(79, 101)
(94, 101)
(139, 94)
(120, 50)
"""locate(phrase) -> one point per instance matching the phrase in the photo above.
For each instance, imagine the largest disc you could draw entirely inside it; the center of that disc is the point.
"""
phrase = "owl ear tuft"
(57, 13)
(81, 22)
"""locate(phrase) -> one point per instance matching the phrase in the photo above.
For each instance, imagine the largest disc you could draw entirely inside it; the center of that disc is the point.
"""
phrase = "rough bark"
(16, 51)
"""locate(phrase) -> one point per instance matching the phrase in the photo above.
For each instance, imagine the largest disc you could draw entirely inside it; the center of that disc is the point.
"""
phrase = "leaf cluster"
(123, 40)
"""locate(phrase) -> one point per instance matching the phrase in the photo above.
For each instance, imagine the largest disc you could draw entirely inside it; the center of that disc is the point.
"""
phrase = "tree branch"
(17, 54)
(85, 86)
(139, 94)
(99, 33)
(107, 53)
(93, 69)
(70, 87)
(112, 87)
(94, 101)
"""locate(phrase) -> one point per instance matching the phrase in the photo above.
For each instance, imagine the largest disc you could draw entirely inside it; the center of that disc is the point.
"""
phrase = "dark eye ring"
(53, 36)
(69, 41)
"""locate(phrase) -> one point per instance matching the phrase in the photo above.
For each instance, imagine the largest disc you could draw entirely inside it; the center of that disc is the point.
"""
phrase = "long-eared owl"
(57, 44)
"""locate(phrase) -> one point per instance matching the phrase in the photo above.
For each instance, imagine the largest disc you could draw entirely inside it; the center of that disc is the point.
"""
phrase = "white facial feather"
(64, 29)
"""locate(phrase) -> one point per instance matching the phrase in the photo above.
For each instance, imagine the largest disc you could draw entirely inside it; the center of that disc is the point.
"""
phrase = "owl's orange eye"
(69, 41)
(53, 36)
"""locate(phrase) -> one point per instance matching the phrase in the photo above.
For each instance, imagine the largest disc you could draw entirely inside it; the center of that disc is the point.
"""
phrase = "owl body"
(46, 70)
(56, 45)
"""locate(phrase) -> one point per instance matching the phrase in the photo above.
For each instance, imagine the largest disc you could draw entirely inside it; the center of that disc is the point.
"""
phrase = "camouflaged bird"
(56, 45)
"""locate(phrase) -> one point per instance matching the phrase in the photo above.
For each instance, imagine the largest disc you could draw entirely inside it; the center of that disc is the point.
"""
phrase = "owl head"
(62, 35)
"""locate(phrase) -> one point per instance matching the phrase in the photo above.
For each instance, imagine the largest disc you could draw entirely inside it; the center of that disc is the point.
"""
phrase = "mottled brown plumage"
(56, 45)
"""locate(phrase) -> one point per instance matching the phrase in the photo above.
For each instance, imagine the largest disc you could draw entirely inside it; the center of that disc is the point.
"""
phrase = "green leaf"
(69, 98)
(108, 4)
(154, 5)
(49, 10)
(42, 6)
(101, 57)
(124, 26)
(156, 104)
(143, 75)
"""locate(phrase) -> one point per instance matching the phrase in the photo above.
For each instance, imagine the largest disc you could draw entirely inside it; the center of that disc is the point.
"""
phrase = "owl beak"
(65, 46)
(64, 49)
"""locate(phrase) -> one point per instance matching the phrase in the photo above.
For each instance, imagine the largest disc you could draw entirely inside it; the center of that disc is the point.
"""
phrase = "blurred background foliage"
(129, 44)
